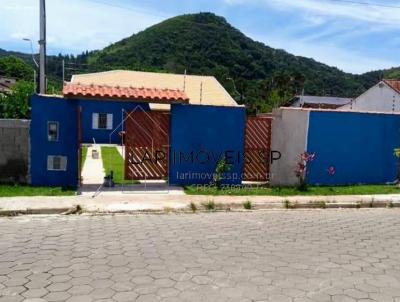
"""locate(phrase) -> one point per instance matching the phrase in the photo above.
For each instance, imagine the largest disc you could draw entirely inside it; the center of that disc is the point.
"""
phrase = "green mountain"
(207, 44)
(253, 73)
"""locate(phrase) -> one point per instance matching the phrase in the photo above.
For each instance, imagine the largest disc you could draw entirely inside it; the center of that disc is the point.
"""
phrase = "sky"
(353, 37)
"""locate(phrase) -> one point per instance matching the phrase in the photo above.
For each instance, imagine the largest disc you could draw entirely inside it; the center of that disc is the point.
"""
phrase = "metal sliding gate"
(257, 149)
(147, 145)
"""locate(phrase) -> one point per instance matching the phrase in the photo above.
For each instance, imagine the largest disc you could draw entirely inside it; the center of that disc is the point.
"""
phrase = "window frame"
(108, 121)
(61, 157)
(48, 131)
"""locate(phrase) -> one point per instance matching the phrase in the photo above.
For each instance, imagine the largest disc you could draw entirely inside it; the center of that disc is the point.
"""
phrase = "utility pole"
(42, 51)
(63, 72)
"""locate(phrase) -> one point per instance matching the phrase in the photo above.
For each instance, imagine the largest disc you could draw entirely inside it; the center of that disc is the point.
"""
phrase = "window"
(52, 131)
(102, 121)
(56, 163)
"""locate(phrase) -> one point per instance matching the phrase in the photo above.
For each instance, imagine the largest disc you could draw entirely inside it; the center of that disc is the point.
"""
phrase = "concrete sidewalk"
(129, 202)
(93, 170)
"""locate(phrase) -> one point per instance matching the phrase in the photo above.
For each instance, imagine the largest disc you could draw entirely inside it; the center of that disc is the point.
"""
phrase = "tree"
(14, 67)
(16, 104)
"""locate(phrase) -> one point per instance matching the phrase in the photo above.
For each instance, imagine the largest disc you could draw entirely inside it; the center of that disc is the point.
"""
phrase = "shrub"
(193, 207)
(371, 203)
(302, 170)
(221, 168)
(16, 105)
(209, 205)
(247, 205)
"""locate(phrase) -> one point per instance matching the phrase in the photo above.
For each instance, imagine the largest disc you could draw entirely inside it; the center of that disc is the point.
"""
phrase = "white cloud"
(18, 35)
(329, 32)
(349, 61)
(366, 13)
(74, 25)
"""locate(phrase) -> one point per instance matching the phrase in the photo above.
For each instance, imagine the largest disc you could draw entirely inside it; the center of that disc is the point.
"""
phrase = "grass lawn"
(112, 160)
(83, 155)
(10, 190)
(291, 191)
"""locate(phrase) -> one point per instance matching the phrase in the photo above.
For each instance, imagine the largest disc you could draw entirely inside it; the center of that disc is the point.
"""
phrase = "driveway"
(319, 255)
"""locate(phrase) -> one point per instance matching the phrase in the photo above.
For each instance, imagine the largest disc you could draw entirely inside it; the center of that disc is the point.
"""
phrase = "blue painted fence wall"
(102, 136)
(63, 111)
(210, 133)
(358, 145)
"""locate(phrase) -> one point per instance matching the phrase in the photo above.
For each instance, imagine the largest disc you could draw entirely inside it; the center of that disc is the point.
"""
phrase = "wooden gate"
(146, 145)
(257, 149)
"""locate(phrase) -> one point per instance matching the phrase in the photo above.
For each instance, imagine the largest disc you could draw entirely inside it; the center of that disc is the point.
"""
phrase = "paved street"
(320, 255)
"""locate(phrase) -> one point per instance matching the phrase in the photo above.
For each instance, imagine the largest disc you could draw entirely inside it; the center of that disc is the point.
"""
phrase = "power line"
(133, 9)
(366, 3)
(113, 5)
(342, 1)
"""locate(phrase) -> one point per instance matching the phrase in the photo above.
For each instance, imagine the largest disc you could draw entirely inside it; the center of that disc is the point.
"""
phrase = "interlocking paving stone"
(296, 256)
(35, 293)
(125, 296)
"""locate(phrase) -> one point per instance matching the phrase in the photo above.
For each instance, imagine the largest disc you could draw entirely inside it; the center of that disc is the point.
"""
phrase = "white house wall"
(380, 98)
(289, 137)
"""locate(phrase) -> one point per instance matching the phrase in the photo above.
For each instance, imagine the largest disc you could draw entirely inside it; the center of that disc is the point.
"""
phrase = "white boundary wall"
(289, 137)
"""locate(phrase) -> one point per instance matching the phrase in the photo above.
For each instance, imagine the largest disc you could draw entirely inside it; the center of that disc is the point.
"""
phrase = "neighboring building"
(6, 84)
(383, 97)
(201, 90)
(320, 102)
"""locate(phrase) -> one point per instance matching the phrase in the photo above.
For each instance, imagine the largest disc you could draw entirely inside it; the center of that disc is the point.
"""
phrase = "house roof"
(201, 90)
(326, 100)
(394, 84)
(163, 96)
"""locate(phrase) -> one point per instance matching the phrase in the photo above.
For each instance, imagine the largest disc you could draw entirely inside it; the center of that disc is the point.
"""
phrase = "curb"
(43, 211)
(236, 207)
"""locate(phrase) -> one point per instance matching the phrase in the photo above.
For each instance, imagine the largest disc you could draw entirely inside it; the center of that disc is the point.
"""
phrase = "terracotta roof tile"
(201, 90)
(394, 84)
(163, 96)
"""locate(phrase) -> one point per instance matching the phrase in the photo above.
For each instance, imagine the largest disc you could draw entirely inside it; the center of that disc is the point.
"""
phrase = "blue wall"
(45, 109)
(102, 136)
(65, 111)
(358, 145)
(210, 133)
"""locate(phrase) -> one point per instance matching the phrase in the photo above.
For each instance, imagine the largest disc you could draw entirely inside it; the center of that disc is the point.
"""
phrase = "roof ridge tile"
(131, 93)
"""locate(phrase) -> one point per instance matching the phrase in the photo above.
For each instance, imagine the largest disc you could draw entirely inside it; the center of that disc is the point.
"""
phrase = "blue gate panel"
(64, 112)
(352, 148)
(201, 136)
